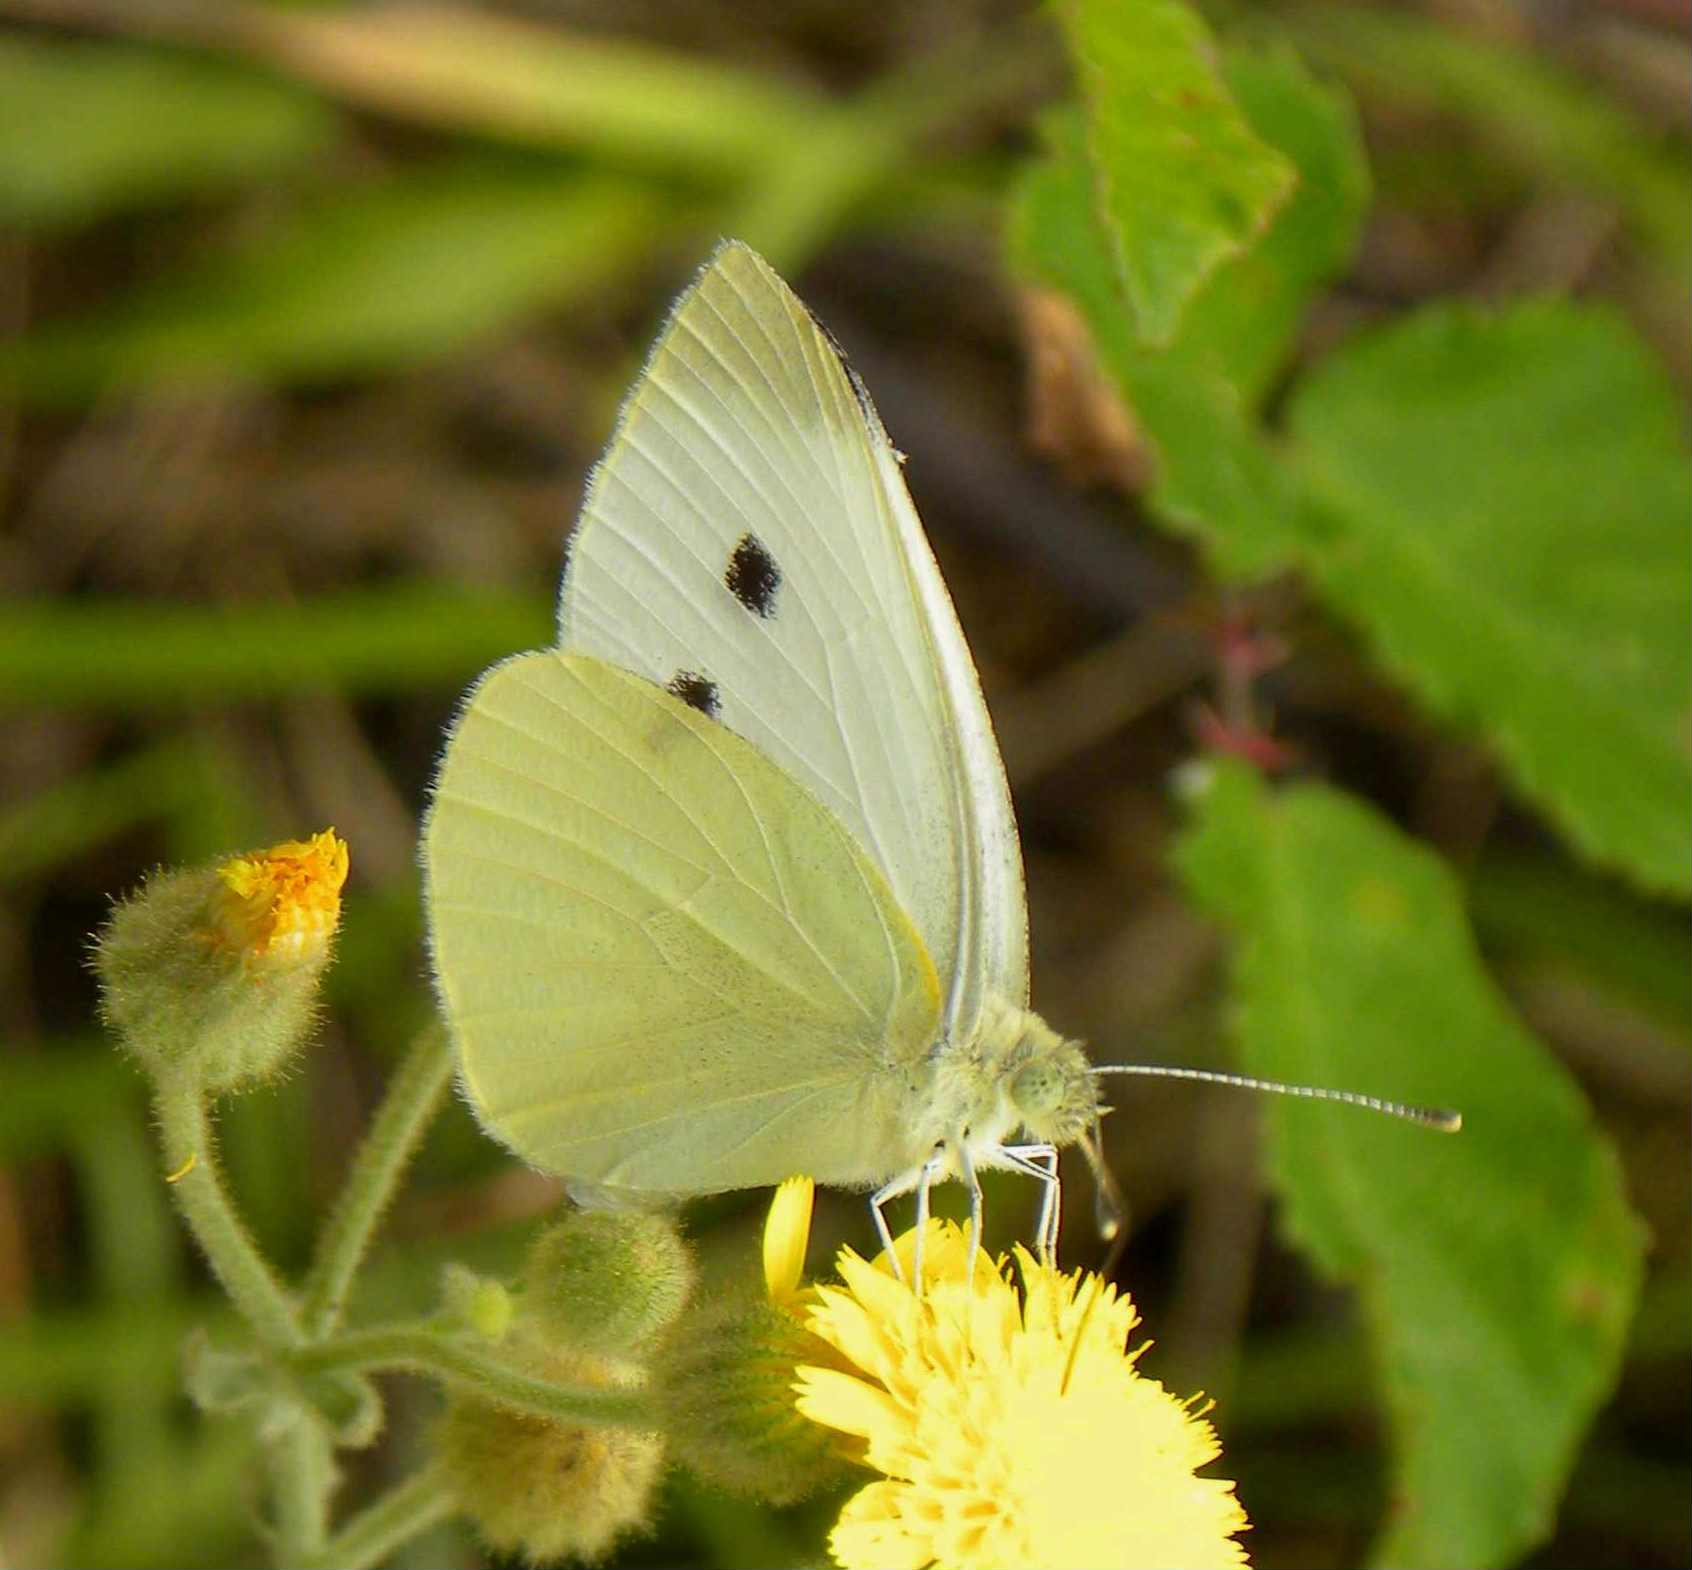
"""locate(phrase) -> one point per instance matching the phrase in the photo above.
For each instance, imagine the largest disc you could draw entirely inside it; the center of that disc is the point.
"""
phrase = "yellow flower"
(281, 906)
(1012, 1429)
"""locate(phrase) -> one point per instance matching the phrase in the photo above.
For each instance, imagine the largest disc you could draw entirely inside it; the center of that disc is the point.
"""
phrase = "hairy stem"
(422, 1349)
(413, 1097)
(404, 1512)
(302, 1470)
(196, 1184)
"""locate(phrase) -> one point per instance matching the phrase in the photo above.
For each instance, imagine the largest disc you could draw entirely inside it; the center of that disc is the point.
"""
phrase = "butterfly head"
(1051, 1085)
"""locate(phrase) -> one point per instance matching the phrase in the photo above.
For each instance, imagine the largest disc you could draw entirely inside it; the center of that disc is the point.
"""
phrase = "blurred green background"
(312, 319)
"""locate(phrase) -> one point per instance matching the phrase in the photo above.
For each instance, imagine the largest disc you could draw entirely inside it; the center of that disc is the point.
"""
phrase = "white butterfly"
(726, 886)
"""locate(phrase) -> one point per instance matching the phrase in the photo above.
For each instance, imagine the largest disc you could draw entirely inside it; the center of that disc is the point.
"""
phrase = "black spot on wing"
(752, 576)
(697, 692)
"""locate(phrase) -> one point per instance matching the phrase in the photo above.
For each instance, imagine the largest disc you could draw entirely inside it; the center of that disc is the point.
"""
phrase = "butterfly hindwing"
(667, 968)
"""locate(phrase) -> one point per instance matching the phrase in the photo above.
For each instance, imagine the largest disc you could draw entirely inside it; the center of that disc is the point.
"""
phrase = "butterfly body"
(726, 885)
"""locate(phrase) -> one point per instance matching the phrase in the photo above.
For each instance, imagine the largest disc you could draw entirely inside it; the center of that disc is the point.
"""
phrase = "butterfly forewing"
(748, 544)
(667, 968)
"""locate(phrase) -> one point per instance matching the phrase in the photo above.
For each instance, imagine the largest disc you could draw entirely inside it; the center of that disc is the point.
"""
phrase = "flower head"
(212, 971)
(1012, 1429)
(281, 906)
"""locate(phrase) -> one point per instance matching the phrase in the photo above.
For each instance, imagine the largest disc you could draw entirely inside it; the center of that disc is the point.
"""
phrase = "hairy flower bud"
(213, 971)
(545, 1489)
(607, 1280)
(478, 1304)
(726, 1381)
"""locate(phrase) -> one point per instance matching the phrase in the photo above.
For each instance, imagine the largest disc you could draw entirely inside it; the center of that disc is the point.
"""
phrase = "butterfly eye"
(1038, 1089)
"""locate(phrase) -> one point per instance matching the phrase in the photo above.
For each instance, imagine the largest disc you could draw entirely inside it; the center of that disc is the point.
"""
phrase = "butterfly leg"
(1039, 1162)
(921, 1179)
(932, 1168)
(891, 1190)
(967, 1172)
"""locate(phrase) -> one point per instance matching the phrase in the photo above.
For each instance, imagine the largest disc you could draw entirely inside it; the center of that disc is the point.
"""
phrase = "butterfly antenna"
(1442, 1119)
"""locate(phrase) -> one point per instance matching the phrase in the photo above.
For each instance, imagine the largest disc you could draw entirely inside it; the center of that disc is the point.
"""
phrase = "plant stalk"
(412, 1099)
(422, 1349)
(196, 1184)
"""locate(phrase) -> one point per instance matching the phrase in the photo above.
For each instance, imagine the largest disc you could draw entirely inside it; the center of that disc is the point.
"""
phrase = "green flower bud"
(607, 1280)
(477, 1303)
(548, 1490)
(726, 1382)
(213, 972)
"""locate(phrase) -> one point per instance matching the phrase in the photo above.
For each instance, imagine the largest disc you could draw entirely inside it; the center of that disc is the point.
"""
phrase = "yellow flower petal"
(870, 1532)
(864, 1339)
(945, 1253)
(1012, 1427)
(837, 1400)
(787, 1231)
(880, 1294)
(281, 906)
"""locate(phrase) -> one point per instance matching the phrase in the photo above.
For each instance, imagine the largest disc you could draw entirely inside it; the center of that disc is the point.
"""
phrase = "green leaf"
(1498, 1268)
(92, 128)
(1246, 322)
(1501, 503)
(1212, 466)
(1217, 478)
(1183, 182)
(370, 281)
(404, 637)
(1517, 559)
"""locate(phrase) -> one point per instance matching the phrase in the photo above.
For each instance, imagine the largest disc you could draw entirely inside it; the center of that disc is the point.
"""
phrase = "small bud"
(214, 971)
(479, 1304)
(547, 1490)
(607, 1280)
(218, 1380)
(727, 1386)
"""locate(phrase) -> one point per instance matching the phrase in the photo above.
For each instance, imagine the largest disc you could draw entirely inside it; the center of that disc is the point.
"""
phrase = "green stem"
(421, 1349)
(302, 1468)
(196, 1184)
(404, 1512)
(413, 1096)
